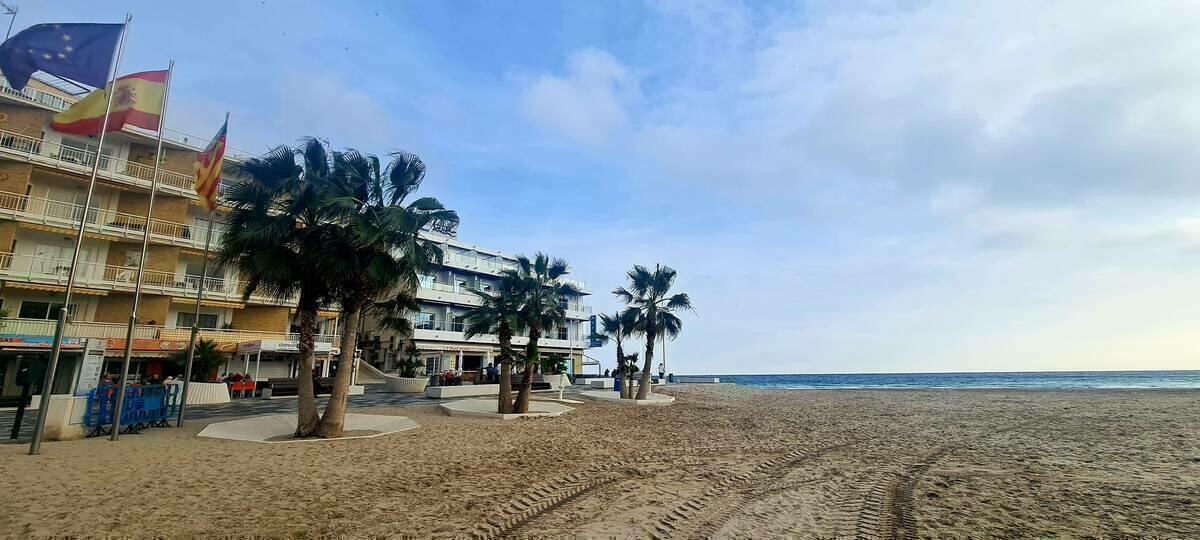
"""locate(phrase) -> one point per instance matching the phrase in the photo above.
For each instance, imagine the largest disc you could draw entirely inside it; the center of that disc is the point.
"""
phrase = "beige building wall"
(262, 318)
(115, 308)
(27, 121)
(14, 176)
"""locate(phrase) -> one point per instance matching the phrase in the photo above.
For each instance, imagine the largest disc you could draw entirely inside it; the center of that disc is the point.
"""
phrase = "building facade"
(445, 297)
(43, 183)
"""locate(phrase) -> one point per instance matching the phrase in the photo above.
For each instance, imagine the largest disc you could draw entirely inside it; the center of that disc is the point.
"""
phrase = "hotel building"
(445, 297)
(43, 183)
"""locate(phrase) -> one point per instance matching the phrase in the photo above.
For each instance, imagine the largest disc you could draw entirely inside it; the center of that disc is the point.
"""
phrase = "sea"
(1032, 380)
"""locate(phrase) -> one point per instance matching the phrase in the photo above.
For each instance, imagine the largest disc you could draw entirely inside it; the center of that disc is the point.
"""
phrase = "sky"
(842, 186)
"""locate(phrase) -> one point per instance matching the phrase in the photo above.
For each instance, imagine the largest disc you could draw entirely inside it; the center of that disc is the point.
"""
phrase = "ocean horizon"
(1170, 379)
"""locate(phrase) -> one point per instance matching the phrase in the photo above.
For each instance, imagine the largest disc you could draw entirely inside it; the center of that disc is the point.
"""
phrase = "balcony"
(54, 270)
(119, 171)
(446, 293)
(103, 330)
(453, 331)
(66, 215)
(59, 103)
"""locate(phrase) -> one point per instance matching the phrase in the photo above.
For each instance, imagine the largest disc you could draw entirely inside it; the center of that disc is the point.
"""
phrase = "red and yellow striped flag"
(208, 168)
(138, 101)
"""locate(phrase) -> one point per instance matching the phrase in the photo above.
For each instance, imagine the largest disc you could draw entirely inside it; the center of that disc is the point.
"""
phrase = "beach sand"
(724, 461)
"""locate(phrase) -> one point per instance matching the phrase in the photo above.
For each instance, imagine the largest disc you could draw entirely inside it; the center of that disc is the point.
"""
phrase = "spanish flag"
(208, 168)
(138, 101)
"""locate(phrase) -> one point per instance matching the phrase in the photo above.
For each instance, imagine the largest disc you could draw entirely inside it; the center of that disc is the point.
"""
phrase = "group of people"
(113, 379)
(662, 371)
(235, 377)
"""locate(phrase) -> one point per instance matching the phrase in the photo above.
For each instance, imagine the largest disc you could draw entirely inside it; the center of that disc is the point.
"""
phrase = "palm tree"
(376, 250)
(276, 224)
(543, 294)
(647, 294)
(617, 327)
(553, 364)
(499, 314)
(205, 361)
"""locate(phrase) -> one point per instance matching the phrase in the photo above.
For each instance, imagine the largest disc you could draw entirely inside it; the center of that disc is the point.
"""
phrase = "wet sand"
(724, 461)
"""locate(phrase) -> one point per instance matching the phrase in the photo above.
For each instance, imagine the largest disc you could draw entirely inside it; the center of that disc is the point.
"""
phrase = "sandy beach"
(724, 461)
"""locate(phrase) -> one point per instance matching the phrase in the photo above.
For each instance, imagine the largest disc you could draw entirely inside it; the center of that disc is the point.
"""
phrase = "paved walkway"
(252, 407)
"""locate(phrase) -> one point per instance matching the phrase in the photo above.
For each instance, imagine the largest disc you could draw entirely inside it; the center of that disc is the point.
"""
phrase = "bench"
(291, 387)
(538, 382)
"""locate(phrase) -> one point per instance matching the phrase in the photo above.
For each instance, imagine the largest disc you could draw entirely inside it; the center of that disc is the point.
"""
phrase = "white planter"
(406, 385)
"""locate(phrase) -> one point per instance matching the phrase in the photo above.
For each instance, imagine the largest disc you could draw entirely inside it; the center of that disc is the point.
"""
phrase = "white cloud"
(587, 103)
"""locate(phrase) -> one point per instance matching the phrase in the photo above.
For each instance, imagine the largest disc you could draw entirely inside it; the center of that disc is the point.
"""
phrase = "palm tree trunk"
(644, 387)
(504, 401)
(621, 370)
(334, 418)
(307, 420)
(531, 358)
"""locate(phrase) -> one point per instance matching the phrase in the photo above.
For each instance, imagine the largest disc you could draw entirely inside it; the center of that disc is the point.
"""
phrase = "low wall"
(602, 383)
(205, 393)
(466, 390)
(64, 418)
(406, 385)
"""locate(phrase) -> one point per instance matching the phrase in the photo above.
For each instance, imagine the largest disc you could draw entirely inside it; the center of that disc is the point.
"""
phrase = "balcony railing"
(80, 161)
(491, 266)
(103, 330)
(59, 103)
(99, 220)
(54, 270)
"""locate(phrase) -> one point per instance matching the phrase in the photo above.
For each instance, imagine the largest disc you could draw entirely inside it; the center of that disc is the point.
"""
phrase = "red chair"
(235, 389)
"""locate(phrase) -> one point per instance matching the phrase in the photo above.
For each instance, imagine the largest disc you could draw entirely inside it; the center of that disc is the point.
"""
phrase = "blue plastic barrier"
(145, 406)
(100, 404)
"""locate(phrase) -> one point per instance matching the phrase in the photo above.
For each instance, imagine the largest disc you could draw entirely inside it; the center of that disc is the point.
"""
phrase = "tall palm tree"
(499, 313)
(617, 327)
(543, 293)
(376, 250)
(648, 295)
(276, 224)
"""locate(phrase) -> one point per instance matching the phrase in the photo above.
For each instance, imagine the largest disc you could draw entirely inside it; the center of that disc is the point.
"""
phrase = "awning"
(53, 288)
(206, 302)
(445, 347)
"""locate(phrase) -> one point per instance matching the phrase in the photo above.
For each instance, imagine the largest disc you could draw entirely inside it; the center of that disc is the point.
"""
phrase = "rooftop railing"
(60, 103)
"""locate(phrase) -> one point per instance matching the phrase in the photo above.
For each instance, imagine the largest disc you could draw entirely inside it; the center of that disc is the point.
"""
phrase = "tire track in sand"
(544, 497)
(722, 501)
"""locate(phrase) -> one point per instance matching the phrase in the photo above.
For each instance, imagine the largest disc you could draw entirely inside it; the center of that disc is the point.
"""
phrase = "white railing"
(54, 270)
(104, 330)
(80, 161)
(60, 103)
(67, 215)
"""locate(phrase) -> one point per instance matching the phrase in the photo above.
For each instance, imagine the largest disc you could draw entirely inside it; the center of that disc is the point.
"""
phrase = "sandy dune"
(724, 462)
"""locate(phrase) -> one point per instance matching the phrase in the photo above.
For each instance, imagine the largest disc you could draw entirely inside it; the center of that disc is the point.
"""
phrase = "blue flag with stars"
(81, 52)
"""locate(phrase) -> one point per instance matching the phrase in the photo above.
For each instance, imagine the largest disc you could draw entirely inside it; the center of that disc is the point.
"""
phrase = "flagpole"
(59, 326)
(187, 372)
(147, 230)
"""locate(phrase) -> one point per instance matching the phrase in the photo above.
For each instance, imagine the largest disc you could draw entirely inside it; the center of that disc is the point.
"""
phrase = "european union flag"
(81, 52)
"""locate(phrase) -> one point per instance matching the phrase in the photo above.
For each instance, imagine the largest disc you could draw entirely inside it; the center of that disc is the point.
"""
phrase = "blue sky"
(883, 186)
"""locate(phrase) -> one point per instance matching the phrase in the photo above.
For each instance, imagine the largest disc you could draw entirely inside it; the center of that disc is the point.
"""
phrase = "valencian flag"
(81, 52)
(138, 100)
(208, 168)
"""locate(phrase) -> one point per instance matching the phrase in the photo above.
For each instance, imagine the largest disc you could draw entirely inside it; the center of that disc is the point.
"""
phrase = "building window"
(83, 153)
(562, 332)
(185, 320)
(426, 282)
(42, 310)
(433, 364)
(424, 321)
